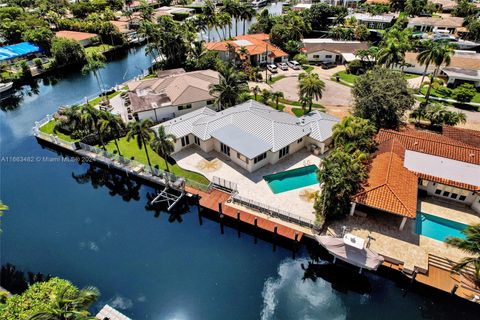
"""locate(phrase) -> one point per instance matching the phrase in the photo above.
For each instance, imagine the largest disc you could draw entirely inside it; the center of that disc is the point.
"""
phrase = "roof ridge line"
(434, 141)
(395, 195)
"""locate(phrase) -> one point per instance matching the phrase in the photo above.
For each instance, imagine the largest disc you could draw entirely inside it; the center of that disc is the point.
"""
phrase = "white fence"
(274, 212)
(224, 184)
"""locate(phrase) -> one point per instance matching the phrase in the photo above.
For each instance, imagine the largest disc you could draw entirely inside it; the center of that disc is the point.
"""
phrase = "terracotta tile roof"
(446, 21)
(122, 26)
(390, 186)
(75, 35)
(468, 136)
(432, 143)
(255, 44)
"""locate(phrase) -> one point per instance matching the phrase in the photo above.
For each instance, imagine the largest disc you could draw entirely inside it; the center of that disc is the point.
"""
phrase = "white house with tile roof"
(251, 134)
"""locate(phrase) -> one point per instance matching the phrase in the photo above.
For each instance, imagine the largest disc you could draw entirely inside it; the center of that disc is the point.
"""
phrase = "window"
(462, 198)
(328, 56)
(225, 149)
(242, 157)
(187, 106)
(438, 191)
(196, 140)
(454, 195)
(300, 140)
(316, 56)
(260, 157)
(185, 141)
(446, 193)
(284, 151)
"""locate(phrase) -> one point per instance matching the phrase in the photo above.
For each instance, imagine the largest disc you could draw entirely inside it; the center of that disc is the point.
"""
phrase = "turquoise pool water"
(438, 228)
(292, 179)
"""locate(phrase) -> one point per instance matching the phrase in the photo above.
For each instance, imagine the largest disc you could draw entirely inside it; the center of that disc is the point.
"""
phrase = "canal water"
(93, 227)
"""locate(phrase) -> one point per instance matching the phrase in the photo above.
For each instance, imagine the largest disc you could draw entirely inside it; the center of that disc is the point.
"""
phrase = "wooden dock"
(216, 200)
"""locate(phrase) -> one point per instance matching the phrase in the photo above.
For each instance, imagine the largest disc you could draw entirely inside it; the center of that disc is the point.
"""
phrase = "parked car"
(328, 65)
(282, 66)
(272, 68)
(294, 65)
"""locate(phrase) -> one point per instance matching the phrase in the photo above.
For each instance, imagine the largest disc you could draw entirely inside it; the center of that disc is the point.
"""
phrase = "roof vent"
(472, 155)
(415, 143)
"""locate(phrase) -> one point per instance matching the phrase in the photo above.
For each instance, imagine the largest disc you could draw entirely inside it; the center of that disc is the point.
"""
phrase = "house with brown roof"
(411, 162)
(258, 46)
(84, 38)
(439, 23)
(171, 94)
(329, 50)
(464, 67)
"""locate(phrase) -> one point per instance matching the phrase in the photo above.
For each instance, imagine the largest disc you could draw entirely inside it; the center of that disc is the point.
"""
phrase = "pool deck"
(448, 209)
(252, 185)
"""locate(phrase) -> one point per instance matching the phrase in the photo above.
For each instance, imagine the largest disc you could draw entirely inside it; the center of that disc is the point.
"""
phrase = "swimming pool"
(438, 228)
(292, 179)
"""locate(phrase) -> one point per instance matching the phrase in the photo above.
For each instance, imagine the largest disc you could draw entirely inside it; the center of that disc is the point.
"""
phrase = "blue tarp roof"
(17, 50)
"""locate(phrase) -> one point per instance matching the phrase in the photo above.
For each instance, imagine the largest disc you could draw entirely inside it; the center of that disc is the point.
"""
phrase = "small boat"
(351, 250)
(4, 86)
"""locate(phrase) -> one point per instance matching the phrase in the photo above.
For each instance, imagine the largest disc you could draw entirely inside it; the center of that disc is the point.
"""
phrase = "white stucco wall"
(322, 56)
(169, 112)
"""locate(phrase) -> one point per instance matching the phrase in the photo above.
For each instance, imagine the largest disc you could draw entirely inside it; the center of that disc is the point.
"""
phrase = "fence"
(224, 184)
(274, 212)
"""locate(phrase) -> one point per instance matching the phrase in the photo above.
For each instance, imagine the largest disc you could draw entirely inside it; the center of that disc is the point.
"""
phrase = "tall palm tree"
(142, 132)
(391, 55)
(95, 62)
(69, 306)
(163, 143)
(224, 20)
(228, 89)
(311, 87)
(471, 246)
(427, 56)
(113, 125)
(443, 55)
(276, 96)
(90, 119)
(354, 133)
(246, 13)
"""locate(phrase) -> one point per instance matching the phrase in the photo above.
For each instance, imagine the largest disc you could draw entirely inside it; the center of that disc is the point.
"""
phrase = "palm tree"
(163, 143)
(111, 124)
(311, 87)
(426, 56)
(231, 51)
(69, 305)
(243, 53)
(470, 245)
(354, 133)
(246, 13)
(442, 55)
(90, 119)
(390, 55)
(265, 95)
(95, 62)
(142, 132)
(224, 20)
(228, 89)
(276, 96)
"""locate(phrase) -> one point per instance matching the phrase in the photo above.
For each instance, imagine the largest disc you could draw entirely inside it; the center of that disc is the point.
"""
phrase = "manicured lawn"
(435, 93)
(48, 129)
(307, 68)
(299, 104)
(97, 100)
(130, 149)
(100, 48)
(298, 112)
(275, 79)
(347, 77)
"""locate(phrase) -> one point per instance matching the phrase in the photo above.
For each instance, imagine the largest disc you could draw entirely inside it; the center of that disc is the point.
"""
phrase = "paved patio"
(448, 209)
(252, 185)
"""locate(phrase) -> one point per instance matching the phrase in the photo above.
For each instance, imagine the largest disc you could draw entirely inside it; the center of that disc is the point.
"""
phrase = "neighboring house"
(258, 46)
(464, 66)
(124, 27)
(251, 134)
(301, 6)
(378, 22)
(444, 22)
(329, 50)
(174, 10)
(84, 38)
(17, 51)
(445, 5)
(172, 94)
(410, 161)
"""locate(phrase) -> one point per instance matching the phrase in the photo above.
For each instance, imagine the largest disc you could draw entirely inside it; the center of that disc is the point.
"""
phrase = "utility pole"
(266, 63)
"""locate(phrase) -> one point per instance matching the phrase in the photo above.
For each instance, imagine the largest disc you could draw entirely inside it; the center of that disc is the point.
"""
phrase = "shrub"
(38, 63)
(464, 93)
(301, 58)
(444, 91)
(356, 67)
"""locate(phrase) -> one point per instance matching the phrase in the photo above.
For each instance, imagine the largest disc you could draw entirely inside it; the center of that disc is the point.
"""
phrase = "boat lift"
(166, 195)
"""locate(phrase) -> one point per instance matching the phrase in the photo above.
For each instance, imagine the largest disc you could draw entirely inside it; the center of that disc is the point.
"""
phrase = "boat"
(4, 86)
(259, 3)
(351, 249)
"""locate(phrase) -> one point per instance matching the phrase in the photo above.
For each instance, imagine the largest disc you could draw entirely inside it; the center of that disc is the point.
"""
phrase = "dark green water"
(91, 227)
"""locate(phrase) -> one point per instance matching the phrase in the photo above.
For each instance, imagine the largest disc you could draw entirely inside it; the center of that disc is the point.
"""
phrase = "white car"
(294, 65)
(282, 66)
(272, 68)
